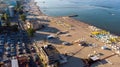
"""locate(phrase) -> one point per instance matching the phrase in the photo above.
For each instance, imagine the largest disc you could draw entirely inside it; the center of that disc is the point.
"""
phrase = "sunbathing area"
(110, 40)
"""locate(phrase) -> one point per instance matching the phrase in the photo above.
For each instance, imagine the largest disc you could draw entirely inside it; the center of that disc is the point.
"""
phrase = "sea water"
(104, 14)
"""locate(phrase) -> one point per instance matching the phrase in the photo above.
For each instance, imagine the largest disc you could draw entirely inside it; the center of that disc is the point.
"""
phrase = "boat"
(73, 15)
(112, 14)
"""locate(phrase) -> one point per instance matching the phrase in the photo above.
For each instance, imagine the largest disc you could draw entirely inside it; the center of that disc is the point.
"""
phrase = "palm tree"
(22, 17)
(30, 32)
(5, 19)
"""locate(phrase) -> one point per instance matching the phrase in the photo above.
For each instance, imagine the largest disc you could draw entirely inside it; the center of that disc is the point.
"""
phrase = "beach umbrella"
(95, 33)
(104, 32)
(113, 40)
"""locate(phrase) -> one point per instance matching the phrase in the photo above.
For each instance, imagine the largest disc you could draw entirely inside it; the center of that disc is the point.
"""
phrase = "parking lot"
(14, 44)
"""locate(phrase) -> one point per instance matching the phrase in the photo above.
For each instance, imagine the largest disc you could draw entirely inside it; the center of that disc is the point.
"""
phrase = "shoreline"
(59, 16)
(112, 33)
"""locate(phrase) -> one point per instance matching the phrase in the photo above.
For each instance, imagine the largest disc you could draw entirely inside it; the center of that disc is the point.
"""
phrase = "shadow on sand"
(73, 62)
(96, 64)
(55, 41)
(41, 37)
(49, 29)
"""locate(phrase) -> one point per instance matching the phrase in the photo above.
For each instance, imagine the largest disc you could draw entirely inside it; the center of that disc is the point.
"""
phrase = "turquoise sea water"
(104, 14)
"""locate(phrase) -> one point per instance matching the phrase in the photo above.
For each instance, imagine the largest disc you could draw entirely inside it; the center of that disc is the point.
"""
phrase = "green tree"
(6, 17)
(18, 9)
(2, 18)
(8, 23)
(23, 17)
(30, 32)
(14, 28)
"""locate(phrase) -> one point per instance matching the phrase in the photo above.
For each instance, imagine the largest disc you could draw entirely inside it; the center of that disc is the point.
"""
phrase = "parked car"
(20, 52)
(28, 50)
(8, 54)
(2, 42)
(33, 49)
(13, 53)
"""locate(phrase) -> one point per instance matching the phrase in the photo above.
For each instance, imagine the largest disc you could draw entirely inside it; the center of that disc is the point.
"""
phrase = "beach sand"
(77, 31)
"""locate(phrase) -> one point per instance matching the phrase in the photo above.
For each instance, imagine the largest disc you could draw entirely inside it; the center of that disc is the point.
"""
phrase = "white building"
(14, 63)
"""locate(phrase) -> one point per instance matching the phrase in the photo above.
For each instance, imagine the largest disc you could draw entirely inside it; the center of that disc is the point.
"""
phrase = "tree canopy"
(23, 17)
(5, 19)
(30, 32)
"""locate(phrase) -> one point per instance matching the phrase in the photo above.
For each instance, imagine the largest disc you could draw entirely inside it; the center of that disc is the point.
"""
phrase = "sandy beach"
(74, 30)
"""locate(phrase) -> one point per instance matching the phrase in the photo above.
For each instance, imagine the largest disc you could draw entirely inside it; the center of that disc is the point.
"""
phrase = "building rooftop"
(23, 61)
(52, 53)
(14, 63)
(2, 7)
(9, 2)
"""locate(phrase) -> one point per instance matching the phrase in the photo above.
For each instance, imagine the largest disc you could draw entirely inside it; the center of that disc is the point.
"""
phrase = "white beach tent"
(14, 63)
(104, 47)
